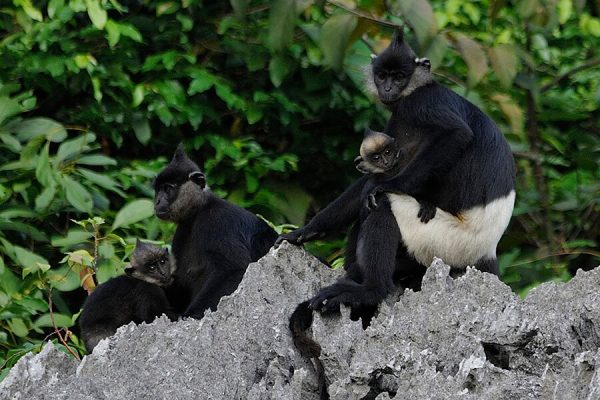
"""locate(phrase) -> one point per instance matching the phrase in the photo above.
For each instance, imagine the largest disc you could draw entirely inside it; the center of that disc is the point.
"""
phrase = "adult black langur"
(214, 241)
(455, 157)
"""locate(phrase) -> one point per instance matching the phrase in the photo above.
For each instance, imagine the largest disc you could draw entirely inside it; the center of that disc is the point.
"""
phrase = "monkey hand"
(426, 212)
(297, 237)
(371, 202)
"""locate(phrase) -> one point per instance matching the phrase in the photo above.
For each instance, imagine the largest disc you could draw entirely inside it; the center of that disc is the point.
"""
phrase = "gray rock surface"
(463, 338)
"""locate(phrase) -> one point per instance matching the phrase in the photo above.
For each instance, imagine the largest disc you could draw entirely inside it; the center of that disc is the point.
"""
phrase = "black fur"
(380, 154)
(454, 158)
(214, 241)
(125, 299)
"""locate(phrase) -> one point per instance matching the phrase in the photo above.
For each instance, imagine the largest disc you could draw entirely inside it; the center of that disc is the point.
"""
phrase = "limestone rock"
(463, 338)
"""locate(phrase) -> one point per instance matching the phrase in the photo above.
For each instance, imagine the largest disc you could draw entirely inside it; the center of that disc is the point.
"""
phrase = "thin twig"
(588, 64)
(364, 15)
(561, 253)
(60, 337)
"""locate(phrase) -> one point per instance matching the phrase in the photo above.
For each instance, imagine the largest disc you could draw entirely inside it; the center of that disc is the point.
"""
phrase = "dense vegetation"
(269, 97)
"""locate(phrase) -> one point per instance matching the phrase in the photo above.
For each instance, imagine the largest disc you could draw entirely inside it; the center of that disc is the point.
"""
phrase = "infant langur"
(136, 297)
(380, 154)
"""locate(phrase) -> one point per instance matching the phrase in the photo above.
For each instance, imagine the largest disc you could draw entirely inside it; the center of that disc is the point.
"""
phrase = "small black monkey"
(135, 297)
(380, 154)
(214, 241)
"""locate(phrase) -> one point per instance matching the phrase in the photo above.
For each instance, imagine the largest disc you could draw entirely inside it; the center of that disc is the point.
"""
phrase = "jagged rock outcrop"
(463, 338)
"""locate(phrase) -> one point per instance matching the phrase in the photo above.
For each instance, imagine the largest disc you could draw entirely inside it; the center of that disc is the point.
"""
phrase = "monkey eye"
(162, 260)
(152, 267)
(387, 152)
(380, 76)
(376, 157)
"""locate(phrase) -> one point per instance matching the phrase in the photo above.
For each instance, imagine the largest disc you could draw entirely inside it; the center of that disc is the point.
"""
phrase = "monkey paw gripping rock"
(463, 338)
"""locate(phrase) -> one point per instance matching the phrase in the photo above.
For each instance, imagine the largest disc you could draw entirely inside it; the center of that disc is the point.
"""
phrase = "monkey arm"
(338, 215)
(446, 136)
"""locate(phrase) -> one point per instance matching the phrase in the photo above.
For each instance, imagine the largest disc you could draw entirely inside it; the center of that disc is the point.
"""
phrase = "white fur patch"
(459, 242)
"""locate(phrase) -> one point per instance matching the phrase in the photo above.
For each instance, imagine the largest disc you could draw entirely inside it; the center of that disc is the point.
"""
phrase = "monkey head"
(152, 264)
(397, 72)
(179, 188)
(379, 153)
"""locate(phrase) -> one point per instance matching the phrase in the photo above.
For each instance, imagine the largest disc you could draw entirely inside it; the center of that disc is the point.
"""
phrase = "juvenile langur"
(214, 241)
(454, 156)
(136, 297)
(380, 154)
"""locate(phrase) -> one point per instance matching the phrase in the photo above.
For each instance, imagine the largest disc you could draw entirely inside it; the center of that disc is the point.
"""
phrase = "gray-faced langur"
(454, 157)
(214, 241)
(136, 297)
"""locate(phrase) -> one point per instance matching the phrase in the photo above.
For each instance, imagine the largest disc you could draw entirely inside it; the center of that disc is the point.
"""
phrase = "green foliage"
(269, 97)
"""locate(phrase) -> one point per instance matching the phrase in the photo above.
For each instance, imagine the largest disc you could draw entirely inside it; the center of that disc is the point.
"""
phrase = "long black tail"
(300, 321)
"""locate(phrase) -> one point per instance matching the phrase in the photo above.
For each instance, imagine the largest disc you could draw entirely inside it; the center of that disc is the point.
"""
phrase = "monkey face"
(178, 188)
(390, 84)
(152, 264)
(379, 153)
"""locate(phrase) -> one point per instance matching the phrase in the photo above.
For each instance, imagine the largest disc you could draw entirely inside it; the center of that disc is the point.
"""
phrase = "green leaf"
(30, 10)
(96, 13)
(278, 69)
(335, 37)
(11, 142)
(8, 108)
(139, 92)
(203, 80)
(141, 127)
(77, 195)
(168, 7)
(474, 56)
(61, 321)
(54, 6)
(28, 259)
(112, 33)
(64, 278)
(43, 200)
(419, 15)
(96, 159)
(282, 18)
(504, 62)
(30, 128)
(133, 212)
(73, 147)
(254, 113)
(101, 180)
(43, 170)
(131, 32)
(18, 327)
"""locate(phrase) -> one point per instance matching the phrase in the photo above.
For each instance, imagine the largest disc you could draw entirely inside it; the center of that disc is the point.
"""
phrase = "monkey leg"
(377, 244)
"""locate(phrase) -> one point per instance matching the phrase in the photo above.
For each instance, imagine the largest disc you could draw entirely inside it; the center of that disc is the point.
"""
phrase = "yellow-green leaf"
(504, 62)
(474, 56)
(133, 212)
(96, 13)
(334, 38)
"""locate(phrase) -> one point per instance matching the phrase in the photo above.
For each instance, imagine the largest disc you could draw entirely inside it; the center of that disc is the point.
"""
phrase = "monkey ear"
(373, 57)
(198, 178)
(138, 242)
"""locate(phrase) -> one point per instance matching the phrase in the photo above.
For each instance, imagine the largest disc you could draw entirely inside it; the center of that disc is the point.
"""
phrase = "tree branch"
(364, 15)
(588, 64)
